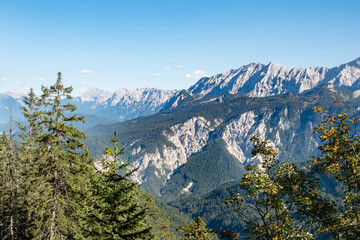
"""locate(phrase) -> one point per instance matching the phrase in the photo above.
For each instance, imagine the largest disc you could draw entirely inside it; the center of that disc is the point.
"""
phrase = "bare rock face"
(187, 138)
(238, 133)
(259, 80)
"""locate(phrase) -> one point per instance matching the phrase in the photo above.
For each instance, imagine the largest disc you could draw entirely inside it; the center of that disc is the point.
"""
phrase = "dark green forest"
(51, 187)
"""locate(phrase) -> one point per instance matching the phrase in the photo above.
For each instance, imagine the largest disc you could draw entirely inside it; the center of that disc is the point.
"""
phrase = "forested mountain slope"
(195, 147)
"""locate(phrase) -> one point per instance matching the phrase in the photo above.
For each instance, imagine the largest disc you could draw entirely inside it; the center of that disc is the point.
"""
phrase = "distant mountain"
(253, 80)
(208, 127)
(259, 80)
(202, 143)
(122, 104)
(97, 105)
(14, 99)
(7, 99)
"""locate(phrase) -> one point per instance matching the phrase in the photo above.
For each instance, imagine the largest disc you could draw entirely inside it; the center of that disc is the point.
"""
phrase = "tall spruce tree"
(30, 132)
(197, 230)
(116, 212)
(12, 210)
(32, 129)
(12, 215)
(59, 167)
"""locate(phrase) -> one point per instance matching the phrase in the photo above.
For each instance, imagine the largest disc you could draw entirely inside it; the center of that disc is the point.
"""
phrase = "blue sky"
(166, 44)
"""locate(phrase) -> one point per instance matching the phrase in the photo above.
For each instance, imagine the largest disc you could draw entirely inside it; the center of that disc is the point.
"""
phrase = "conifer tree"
(32, 129)
(13, 186)
(160, 225)
(60, 166)
(116, 212)
(29, 156)
(197, 230)
(11, 213)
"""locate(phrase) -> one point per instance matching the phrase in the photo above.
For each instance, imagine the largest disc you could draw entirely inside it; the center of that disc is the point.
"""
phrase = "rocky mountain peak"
(12, 94)
(259, 80)
(95, 94)
(123, 104)
(355, 63)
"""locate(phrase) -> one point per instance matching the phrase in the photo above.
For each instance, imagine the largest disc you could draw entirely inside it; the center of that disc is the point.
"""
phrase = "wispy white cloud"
(154, 74)
(83, 83)
(26, 88)
(197, 74)
(41, 79)
(86, 71)
(4, 79)
(18, 83)
(167, 68)
(179, 66)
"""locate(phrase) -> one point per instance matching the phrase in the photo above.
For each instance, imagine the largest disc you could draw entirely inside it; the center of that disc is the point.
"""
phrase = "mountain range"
(197, 146)
(123, 104)
(209, 126)
(259, 80)
(97, 105)
(253, 80)
(190, 147)
(175, 137)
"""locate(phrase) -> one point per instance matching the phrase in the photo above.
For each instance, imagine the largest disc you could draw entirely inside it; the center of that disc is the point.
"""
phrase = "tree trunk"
(53, 210)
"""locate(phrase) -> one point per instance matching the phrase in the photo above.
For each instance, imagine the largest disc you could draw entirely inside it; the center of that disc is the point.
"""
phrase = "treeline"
(50, 187)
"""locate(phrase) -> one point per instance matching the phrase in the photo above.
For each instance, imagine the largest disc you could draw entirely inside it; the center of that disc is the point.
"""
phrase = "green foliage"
(156, 219)
(176, 218)
(12, 215)
(115, 211)
(211, 208)
(57, 164)
(29, 156)
(49, 188)
(340, 158)
(196, 230)
(279, 195)
(33, 128)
